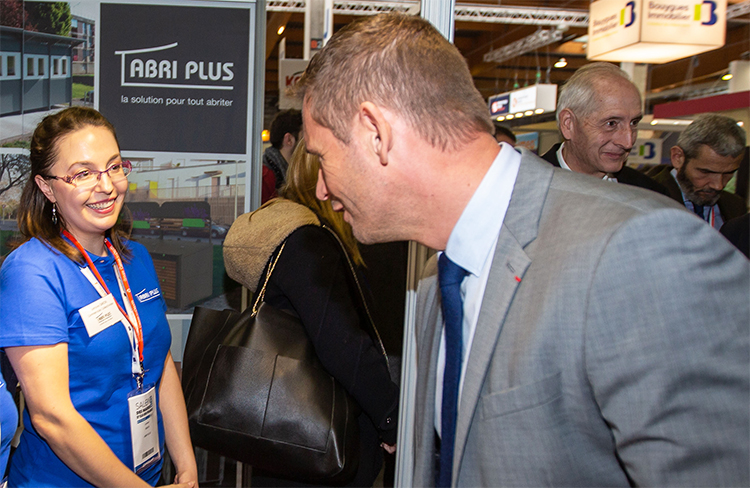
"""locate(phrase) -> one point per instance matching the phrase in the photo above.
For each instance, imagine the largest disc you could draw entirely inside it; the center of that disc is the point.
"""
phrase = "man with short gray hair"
(597, 114)
(706, 156)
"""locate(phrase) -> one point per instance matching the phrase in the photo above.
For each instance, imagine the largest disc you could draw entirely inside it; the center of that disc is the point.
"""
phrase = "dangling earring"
(54, 213)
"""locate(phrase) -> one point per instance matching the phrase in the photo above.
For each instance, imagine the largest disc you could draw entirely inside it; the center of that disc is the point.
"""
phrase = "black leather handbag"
(256, 392)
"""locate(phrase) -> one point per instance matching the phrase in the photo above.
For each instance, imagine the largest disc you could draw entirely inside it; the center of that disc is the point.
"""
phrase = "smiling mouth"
(102, 206)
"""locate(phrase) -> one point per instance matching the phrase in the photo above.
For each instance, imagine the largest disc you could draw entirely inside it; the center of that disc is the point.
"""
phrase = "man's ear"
(379, 135)
(567, 123)
(289, 140)
(677, 156)
(46, 189)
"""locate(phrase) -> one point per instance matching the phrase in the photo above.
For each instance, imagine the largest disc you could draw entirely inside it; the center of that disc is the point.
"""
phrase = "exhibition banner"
(175, 78)
(290, 71)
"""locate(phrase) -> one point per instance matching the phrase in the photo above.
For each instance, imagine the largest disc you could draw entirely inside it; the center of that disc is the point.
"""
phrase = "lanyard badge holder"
(142, 407)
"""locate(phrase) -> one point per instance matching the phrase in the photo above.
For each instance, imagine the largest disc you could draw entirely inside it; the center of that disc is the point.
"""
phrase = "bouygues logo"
(150, 67)
(681, 12)
(699, 11)
(627, 15)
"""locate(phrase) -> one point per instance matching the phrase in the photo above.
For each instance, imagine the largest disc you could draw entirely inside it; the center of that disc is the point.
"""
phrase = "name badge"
(144, 430)
(100, 315)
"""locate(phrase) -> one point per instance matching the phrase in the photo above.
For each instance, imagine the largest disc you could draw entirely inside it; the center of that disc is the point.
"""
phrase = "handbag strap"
(272, 266)
(262, 292)
(361, 295)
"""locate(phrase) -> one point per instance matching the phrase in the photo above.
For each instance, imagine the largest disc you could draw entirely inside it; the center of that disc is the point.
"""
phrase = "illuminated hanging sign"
(532, 100)
(654, 31)
(646, 151)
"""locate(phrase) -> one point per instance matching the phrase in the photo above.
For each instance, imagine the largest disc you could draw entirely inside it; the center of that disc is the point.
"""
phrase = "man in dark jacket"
(707, 155)
(598, 114)
(284, 137)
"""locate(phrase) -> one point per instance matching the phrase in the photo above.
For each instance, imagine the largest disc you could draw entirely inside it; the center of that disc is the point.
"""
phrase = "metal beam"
(466, 13)
(738, 9)
(533, 42)
(353, 7)
(522, 15)
(472, 13)
(372, 8)
(285, 6)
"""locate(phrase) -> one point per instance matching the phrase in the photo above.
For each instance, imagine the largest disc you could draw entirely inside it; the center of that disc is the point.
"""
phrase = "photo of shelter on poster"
(175, 78)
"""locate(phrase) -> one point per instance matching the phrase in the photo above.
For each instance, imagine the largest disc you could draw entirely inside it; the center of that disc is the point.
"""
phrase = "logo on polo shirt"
(145, 296)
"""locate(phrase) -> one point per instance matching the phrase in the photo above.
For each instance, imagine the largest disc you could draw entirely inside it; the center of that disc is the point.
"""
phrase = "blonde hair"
(301, 180)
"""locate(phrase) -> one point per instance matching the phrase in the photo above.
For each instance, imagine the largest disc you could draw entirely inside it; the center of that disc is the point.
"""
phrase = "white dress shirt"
(471, 245)
(564, 165)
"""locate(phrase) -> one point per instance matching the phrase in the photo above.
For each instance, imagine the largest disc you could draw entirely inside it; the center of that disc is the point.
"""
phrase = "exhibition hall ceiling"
(672, 81)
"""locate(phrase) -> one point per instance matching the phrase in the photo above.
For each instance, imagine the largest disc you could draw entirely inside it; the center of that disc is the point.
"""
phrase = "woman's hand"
(189, 484)
(389, 448)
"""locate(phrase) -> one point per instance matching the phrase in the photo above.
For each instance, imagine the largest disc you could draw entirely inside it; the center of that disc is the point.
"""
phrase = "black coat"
(626, 175)
(312, 279)
(731, 206)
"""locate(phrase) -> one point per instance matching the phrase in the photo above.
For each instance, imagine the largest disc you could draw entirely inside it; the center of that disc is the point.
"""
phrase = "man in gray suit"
(603, 332)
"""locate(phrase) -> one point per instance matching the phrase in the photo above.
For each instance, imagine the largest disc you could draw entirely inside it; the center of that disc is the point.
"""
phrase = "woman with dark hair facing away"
(84, 324)
(313, 280)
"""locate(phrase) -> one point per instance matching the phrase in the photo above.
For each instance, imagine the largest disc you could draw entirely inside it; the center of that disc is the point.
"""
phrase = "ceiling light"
(500, 119)
(509, 117)
(668, 122)
(561, 63)
(529, 112)
(265, 135)
(539, 111)
(281, 29)
(519, 115)
(727, 77)
(741, 123)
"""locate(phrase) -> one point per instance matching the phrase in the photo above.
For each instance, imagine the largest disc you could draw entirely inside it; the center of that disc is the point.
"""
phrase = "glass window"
(29, 66)
(55, 67)
(64, 66)
(10, 66)
(40, 64)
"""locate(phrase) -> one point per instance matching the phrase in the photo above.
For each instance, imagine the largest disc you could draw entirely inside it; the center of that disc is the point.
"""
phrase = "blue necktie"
(698, 209)
(450, 276)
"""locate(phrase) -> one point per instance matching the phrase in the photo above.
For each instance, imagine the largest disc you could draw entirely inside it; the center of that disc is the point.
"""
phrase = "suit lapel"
(428, 331)
(510, 262)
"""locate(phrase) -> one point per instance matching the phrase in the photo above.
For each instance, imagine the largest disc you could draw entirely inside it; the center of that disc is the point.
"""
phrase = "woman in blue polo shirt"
(84, 325)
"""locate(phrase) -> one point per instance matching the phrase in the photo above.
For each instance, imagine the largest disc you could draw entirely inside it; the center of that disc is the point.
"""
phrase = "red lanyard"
(137, 328)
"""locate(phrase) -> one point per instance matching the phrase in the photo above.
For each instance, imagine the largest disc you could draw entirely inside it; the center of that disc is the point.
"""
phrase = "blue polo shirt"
(8, 424)
(41, 292)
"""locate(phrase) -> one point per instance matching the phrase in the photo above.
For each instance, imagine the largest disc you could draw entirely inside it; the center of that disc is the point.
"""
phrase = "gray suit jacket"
(620, 358)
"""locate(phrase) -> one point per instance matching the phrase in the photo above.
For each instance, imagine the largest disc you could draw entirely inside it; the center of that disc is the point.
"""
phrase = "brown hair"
(301, 179)
(404, 64)
(35, 210)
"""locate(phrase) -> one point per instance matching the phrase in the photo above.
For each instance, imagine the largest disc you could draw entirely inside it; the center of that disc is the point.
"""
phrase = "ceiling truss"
(738, 9)
(472, 13)
(533, 42)
(465, 13)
